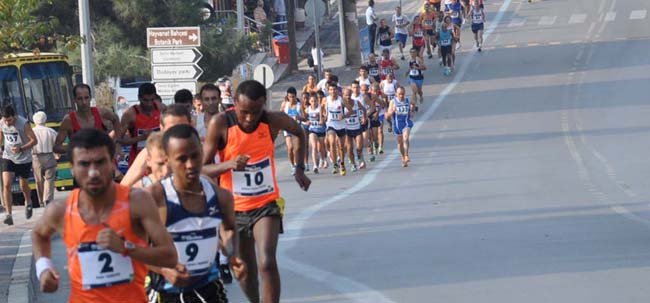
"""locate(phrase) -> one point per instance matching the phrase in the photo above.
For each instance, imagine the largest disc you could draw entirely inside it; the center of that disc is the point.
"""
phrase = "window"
(47, 88)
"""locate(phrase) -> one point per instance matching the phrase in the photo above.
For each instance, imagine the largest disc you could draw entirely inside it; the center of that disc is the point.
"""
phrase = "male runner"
(372, 122)
(478, 21)
(363, 76)
(384, 36)
(416, 77)
(140, 120)
(18, 139)
(401, 29)
(373, 68)
(200, 217)
(322, 84)
(428, 25)
(106, 228)
(245, 137)
(84, 117)
(156, 161)
(377, 126)
(211, 101)
(387, 64)
(335, 123)
(401, 110)
(355, 114)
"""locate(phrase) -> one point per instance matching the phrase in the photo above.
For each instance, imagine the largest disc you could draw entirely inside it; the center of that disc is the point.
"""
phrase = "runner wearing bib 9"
(417, 32)
(416, 77)
(200, 218)
(428, 25)
(401, 110)
(106, 228)
(244, 140)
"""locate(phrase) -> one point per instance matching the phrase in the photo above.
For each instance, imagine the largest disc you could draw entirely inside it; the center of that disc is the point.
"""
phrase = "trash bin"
(281, 48)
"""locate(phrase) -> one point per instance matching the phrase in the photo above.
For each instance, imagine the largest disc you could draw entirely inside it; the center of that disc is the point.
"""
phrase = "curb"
(20, 287)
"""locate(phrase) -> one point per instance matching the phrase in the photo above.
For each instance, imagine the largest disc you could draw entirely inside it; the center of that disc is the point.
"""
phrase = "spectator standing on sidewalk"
(43, 160)
(371, 21)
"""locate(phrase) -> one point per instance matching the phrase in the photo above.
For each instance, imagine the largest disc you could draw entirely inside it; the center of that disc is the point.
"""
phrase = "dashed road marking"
(577, 18)
(547, 20)
(517, 22)
(638, 14)
(610, 16)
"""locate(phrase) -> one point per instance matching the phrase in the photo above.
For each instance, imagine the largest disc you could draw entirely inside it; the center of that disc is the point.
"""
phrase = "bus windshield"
(10, 89)
(47, 89)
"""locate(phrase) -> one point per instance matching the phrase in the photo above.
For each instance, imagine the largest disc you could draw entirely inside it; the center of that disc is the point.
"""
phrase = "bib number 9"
(192, 250)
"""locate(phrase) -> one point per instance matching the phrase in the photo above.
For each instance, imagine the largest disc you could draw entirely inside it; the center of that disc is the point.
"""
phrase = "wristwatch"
(128, 248)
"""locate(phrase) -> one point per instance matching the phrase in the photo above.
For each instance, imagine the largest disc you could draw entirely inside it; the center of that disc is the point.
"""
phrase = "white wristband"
(42, 265)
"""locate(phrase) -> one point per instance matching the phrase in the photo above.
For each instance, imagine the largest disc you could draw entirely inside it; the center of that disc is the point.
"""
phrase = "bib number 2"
(103, 268)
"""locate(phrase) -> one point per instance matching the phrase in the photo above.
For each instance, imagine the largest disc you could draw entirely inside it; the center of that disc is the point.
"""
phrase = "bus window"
(47, 89)
(9, 86)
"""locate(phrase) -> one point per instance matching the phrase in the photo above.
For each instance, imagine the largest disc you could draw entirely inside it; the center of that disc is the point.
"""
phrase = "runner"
(401, 29)
(172, 115)
(322, 84)
(291, 106)
(380, 103)
(156, 161)
(84, 117)
(389, 88)
(385, 36)
(416, 77)
(311, 86)
(372, 123)
(428, 25)
(417, 32)
(454, 9)
(355, 114)
(435, 3)
(316, 133)
(478, 21)
(373, 68)
(106, 228)
(446, 45)
(439, 23)
(18, 140)
(211, 100)
(363, 76)
(140, 120)
(387, 64)
(244, 139)
(335, 123)
(199, 215)
(401, 109)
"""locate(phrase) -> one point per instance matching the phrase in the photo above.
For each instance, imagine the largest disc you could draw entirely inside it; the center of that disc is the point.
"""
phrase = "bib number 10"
(256, 178)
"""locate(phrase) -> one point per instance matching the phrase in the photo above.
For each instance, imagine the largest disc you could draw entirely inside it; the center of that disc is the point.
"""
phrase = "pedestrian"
(371, 21)
(18, 140)
(111, 232)
(43, 160)
(244, 138)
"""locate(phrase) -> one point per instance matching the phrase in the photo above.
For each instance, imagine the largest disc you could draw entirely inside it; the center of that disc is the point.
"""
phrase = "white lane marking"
(638, 14)
(19, 285)
(294, 227)
(517, 22)
(610, 16)
(547, 20)
(577, 18)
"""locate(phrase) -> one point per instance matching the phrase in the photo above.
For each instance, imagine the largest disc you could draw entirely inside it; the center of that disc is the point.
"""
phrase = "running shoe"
(325, 164)
(458, 46)
(381, 150)
(306, 167)
(372, 158)
(403, 58)
(293, 170)
(404, 163)
(430, 56)
(354, 167)
(316, 170)
(9, 220)
(335, 169)
(390, 127)
(28, 212)
(362, 164)
(407, 158)
(225, 274)
(343, 172)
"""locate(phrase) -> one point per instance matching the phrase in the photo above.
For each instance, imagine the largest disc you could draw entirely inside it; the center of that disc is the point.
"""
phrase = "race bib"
(414, 72)
(387, 71)
(102, 267)
(454, 14)
(141, 132)
(402, 109)
(428, 22)
(374, 72)
(12, 139)
(336, 116)
(445, 42)
(384, 37)
(197, 250)
(418, 34)
(478, 18)
(255, 180)
(352, 120)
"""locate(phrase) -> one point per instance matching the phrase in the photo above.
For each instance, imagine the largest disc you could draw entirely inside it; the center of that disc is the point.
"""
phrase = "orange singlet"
(257, 185)
(96, 274)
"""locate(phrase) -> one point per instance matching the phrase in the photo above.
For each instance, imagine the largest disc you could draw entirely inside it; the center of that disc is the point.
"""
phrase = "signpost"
(174, 58)
(264, 74)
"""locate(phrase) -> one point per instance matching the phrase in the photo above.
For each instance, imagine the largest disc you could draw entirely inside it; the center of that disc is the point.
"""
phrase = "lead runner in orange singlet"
(105, 234)
(244, 138)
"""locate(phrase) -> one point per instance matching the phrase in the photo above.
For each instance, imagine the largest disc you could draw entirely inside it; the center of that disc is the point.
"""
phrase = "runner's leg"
(250, 284)
(266, 232)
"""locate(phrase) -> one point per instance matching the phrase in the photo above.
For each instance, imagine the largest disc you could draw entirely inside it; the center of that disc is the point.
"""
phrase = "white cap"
(40, 118)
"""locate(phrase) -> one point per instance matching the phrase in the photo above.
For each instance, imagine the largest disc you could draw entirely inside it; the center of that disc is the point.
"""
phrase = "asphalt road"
(528, 179)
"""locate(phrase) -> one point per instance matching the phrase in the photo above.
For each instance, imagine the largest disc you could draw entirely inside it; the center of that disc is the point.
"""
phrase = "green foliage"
(223, 49)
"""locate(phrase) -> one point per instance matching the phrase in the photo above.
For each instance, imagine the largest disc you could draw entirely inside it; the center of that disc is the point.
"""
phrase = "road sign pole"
(86, 53)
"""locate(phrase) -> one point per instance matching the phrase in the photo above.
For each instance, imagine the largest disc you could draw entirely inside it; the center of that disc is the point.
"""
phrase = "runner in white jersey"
(316, 132)
(364, 77)
(401, 29)
(389, 88)
(335, 124)
(361, 119)
(478, 21)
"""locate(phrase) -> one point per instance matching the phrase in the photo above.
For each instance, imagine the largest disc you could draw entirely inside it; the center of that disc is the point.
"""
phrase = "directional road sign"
(175, 72)
(173, 36)
(264, 74)
(170, 88)
(175, 56)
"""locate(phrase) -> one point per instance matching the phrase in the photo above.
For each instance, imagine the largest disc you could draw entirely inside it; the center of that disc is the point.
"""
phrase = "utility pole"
(344, 48)
(349, 31)
(240, 15)
(317, 38)
(86, 51)
(291, 25)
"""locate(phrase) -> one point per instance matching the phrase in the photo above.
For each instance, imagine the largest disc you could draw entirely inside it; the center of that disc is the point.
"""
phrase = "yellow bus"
(34, 82)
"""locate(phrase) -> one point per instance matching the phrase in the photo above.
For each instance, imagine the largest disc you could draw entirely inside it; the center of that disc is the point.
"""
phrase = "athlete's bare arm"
(228, 232)
(65, 129)
(31, 137)
(390, 110)
(216, 136)
(365, 113)
(147, 221)
(137, 170)
(128, 121)
(421, 66)
(113, 119)
(50, 222)
(281, 121)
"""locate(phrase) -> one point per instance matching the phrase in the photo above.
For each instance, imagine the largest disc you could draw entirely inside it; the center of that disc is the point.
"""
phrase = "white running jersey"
(352, 122)
(477, 16)
(389, 88)
(335, 113)
(365, 81)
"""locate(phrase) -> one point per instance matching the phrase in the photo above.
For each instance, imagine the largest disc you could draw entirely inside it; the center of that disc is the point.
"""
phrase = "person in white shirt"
(43, 160)
(371, 21)
(315, 57)
(401, 29)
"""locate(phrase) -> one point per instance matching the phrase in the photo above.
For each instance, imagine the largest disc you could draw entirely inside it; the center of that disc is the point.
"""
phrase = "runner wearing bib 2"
(244, 139)
(106, 228)
(198, 215)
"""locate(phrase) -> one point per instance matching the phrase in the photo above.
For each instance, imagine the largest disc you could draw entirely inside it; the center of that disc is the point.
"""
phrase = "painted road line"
(577, 18)
(547, 20)
(610, 16)
(352, 290)
(638, 14)
(19, 286)
(517, 22)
